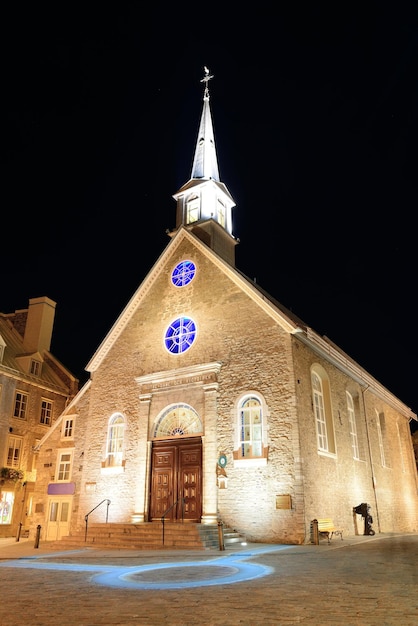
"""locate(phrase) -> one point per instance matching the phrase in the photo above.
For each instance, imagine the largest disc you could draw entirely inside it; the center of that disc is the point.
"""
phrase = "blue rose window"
(180, 335)
(183, 273)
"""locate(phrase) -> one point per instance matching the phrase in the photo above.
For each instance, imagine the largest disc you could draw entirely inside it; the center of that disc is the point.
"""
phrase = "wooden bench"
(326, 528)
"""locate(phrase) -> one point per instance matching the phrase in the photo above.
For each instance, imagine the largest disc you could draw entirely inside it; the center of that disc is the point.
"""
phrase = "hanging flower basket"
(8, 473)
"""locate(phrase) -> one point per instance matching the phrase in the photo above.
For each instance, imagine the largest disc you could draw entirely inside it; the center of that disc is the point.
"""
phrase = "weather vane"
(205, 80)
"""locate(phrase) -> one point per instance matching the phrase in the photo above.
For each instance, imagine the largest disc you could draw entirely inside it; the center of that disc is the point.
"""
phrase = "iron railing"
(86, 517)
(182, 500)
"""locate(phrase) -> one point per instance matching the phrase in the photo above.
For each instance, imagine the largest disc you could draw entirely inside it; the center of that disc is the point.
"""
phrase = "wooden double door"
(176, 480)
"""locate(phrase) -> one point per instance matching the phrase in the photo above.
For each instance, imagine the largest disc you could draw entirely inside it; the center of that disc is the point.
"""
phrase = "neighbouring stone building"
(35, 388)
(209, 400)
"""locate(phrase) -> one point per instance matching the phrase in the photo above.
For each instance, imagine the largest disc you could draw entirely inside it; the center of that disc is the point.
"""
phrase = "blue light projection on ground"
(228, 569)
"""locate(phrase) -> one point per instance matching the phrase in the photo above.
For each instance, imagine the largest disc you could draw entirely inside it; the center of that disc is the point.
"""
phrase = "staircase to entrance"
(152, 536)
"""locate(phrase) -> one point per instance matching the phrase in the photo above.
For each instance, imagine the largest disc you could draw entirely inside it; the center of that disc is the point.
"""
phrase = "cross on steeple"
(205, 80)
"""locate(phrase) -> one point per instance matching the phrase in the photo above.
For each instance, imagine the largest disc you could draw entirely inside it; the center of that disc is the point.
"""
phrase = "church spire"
(204, 204)
(205, 163)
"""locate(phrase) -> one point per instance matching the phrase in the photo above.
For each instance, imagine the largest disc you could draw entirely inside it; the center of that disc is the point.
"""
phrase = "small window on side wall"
(46, 412)
(14, 449)
(64, 465)
(21, 403)
(67, 430)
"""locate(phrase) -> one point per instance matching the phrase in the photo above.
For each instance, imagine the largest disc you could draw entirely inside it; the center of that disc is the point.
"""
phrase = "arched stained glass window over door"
(178, 420)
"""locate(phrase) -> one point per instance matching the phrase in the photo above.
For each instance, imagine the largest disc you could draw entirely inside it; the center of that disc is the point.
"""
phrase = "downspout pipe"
(364, 390)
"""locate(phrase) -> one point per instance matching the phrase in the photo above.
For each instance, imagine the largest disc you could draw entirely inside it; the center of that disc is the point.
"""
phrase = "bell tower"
(204, 204)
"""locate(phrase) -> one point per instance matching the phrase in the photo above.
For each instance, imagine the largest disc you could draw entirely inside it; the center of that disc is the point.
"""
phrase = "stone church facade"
(209, 401)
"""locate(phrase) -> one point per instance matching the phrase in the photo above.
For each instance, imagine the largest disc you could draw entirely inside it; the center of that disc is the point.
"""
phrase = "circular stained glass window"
(183, 273)
(180, 335)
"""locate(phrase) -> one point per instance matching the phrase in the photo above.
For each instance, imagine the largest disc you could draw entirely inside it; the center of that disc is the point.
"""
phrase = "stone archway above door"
(196, 387)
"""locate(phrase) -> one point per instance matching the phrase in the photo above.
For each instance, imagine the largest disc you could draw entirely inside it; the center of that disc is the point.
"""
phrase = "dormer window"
(35, 368)
(192, 210)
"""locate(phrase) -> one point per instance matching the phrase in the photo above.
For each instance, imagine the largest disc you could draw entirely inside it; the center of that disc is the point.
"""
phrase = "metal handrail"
(182, 500)
(86, 517)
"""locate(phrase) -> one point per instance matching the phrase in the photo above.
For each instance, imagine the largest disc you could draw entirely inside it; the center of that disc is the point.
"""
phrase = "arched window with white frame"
(251, 439)
(382, 438)
(321, 400)
(352, 425)
(115, 441)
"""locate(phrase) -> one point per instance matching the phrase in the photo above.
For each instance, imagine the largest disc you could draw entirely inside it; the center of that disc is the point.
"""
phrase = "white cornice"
(202, 183)
(322, 347)
(178, 374)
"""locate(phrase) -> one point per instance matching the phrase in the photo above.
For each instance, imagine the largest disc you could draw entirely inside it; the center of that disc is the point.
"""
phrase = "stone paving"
(361, 581)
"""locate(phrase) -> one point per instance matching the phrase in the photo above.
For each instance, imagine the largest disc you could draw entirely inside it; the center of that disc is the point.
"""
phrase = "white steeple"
(205, 163)
(204, 204)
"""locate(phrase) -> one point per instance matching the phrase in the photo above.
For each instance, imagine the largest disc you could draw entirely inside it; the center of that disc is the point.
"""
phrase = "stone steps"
(149, 536)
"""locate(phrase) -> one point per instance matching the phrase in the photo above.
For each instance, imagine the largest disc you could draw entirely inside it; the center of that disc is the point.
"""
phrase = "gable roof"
(285, 318)
(53, 374)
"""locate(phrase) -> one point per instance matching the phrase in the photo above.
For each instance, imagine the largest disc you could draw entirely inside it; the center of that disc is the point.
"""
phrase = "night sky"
(315, 118)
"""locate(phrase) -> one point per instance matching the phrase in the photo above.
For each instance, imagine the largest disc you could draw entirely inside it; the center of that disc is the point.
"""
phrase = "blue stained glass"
(183, 273)
(180, 335)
